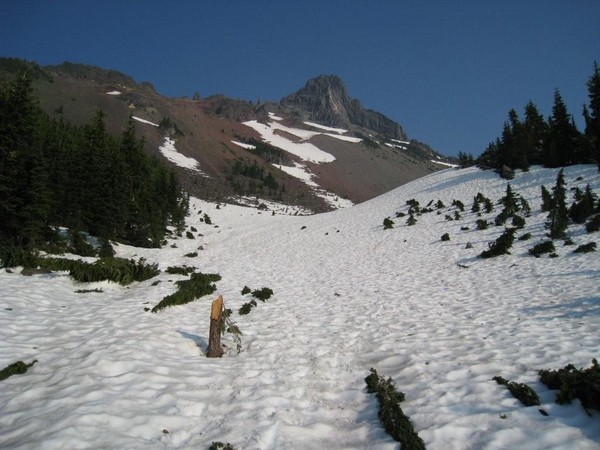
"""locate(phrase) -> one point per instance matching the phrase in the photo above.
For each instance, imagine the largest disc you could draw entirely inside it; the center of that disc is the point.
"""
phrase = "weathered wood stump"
(214, 338)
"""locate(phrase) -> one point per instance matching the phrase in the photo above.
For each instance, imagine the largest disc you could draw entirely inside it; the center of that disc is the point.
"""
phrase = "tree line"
(53, 174)
(555, 142)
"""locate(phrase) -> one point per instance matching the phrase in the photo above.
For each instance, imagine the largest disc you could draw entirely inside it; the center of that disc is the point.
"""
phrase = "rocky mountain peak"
(325, 99)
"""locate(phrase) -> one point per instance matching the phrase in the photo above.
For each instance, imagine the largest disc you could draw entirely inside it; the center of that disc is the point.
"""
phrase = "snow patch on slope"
(139, 119)
(170, 152)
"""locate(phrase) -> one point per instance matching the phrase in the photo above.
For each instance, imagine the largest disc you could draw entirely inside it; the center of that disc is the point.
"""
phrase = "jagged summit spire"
(325, 99)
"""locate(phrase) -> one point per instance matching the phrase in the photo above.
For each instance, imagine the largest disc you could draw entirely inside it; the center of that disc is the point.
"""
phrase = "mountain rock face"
(325, 100)
(243, 150)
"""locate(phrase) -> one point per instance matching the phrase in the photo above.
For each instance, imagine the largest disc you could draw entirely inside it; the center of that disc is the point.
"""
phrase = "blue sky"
(447, 71)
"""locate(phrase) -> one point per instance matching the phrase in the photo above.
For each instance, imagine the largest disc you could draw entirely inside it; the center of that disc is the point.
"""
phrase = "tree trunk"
(214, 337)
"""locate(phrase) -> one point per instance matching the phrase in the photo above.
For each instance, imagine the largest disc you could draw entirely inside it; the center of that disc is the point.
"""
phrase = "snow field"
(348, 296)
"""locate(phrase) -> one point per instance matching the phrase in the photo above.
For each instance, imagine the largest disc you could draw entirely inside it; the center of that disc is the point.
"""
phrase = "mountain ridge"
(372, 155)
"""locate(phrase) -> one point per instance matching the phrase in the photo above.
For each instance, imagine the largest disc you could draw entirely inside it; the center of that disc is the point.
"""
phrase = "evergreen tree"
(546, 199)
(584, 205)
(562, 146)
(592, 117)
(534, 134)
(558, 216)
(24, 204)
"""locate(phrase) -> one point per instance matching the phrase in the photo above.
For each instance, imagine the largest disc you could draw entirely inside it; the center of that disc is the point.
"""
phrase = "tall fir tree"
(558, 218)
(563, 142)
(592, 116)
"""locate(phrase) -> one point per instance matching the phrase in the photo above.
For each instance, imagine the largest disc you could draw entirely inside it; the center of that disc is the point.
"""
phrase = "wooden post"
(214, 338)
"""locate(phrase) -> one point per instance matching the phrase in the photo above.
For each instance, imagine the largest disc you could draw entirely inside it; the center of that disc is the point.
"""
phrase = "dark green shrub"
(501, 245)
(118, 270)
(575, 383)
(400, 214)
(197, 286)
(593, 224)
(263, 294)
(191, 255)
(488, 206)
(247, 307)
(440, 204)
(207, 220)
(541, 248)
(445, 237)
(413, 203)
(583, 207)
(525, 237)
(16, 368)
(586, 248)
(460, 205)
(411, 220)
(525, 394)
(393, 419)
(482, 224)
(189, 235)
(246, 290)
(518, 222)
(220, 445)
(79, 245)
(106, 249)
(17, 256)
(388, 223)
(176, 270)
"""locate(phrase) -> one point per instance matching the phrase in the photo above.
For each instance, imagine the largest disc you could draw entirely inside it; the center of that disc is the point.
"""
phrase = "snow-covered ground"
(170, 152)
(348, 296)
(147, 122)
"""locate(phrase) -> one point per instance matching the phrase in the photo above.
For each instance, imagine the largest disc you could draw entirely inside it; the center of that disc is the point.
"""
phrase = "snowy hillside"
(348, 296)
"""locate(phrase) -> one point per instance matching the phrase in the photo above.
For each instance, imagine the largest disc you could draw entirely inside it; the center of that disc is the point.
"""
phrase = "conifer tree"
(592, 117)
(562, 146)
(558, 218)
(546, 199)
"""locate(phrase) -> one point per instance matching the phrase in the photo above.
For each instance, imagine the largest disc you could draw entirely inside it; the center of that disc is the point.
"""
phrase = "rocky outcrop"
(325, 100)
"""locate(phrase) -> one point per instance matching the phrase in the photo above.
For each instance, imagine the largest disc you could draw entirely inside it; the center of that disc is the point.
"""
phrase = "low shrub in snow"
(593, 224)
(525, 394)
(388, 223)
(445, 237)
(586, 248)
(220, 445)
(525, 237)
(395, 422)
(189, 235)
(197, 286)
(16, 368)
(575, 383)
(501, 245)
(482, 224)
(541, 248)
(180, 270)
(246, 290)
(191, 255)
(118, 270)
(263, 294)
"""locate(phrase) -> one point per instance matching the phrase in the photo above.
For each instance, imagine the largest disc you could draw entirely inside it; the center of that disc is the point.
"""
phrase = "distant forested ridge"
(53, 174)
(555, 142)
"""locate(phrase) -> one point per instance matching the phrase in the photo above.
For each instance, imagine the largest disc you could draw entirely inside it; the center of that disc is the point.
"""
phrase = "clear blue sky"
(447, 71)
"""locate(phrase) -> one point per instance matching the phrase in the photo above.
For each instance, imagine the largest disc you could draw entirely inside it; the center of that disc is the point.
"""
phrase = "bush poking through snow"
(180, 270)
(445, 237)
(525, 394)
(191, 255)
(263, 294)
(575, 383)
(586, 248)
(16, 368)
(541, 248)
(197, 286)
(118, 270)
(482, 224)
(388, 223)
(593, 224)
(501, 245)
(220, 445)
(395, 422)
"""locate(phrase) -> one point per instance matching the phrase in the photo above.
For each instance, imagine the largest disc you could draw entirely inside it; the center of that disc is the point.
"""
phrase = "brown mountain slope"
(203, 129)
